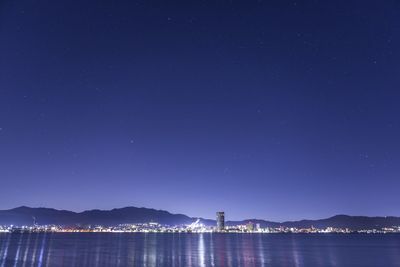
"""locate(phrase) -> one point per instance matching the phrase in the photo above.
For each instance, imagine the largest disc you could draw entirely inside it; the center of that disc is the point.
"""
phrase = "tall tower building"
(220, 221)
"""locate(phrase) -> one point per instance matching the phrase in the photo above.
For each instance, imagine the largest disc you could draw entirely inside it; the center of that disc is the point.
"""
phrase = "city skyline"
(275, 110)
(34, 219)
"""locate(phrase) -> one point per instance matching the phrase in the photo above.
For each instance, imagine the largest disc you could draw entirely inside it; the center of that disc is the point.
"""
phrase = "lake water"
(139, 249)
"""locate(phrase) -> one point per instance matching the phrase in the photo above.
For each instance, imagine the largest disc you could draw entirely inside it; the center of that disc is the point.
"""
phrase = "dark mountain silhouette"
(26, 216)
(338, 221)
(351, 222)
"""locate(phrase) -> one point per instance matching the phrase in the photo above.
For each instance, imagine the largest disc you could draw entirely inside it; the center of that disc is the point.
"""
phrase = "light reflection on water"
(247, 250)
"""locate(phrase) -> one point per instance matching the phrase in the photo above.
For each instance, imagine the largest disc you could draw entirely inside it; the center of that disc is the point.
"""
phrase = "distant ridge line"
(45, 216)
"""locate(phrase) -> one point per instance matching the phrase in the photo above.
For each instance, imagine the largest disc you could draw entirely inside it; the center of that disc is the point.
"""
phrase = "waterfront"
(207, 249)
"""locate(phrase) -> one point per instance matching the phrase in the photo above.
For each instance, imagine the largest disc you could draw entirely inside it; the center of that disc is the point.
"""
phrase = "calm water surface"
(138, 249)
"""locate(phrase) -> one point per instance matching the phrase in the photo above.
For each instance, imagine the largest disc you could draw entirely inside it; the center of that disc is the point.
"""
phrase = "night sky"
(264, 109)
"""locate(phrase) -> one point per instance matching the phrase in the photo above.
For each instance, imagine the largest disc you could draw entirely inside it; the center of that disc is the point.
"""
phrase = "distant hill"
(339, 221)
(351, 222)
(25, 216)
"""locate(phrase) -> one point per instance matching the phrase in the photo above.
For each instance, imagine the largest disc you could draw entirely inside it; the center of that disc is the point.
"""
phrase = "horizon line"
(196, 217)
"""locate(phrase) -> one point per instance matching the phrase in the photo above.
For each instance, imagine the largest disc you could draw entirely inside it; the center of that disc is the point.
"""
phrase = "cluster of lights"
(195, 227)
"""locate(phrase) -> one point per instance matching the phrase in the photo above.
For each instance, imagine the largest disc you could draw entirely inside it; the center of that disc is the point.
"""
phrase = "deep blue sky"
(269, 109)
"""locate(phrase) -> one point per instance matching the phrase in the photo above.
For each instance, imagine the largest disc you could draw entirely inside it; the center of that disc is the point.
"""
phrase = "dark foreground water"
(137, 249)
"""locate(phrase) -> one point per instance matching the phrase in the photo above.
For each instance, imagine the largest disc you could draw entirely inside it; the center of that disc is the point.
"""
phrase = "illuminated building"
(220, 221)
(250, 226)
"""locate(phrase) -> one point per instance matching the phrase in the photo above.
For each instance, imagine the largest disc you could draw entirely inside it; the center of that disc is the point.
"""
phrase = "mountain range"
(42, 216)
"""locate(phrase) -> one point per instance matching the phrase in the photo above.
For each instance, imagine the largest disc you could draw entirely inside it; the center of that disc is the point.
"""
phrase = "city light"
(194, 227)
